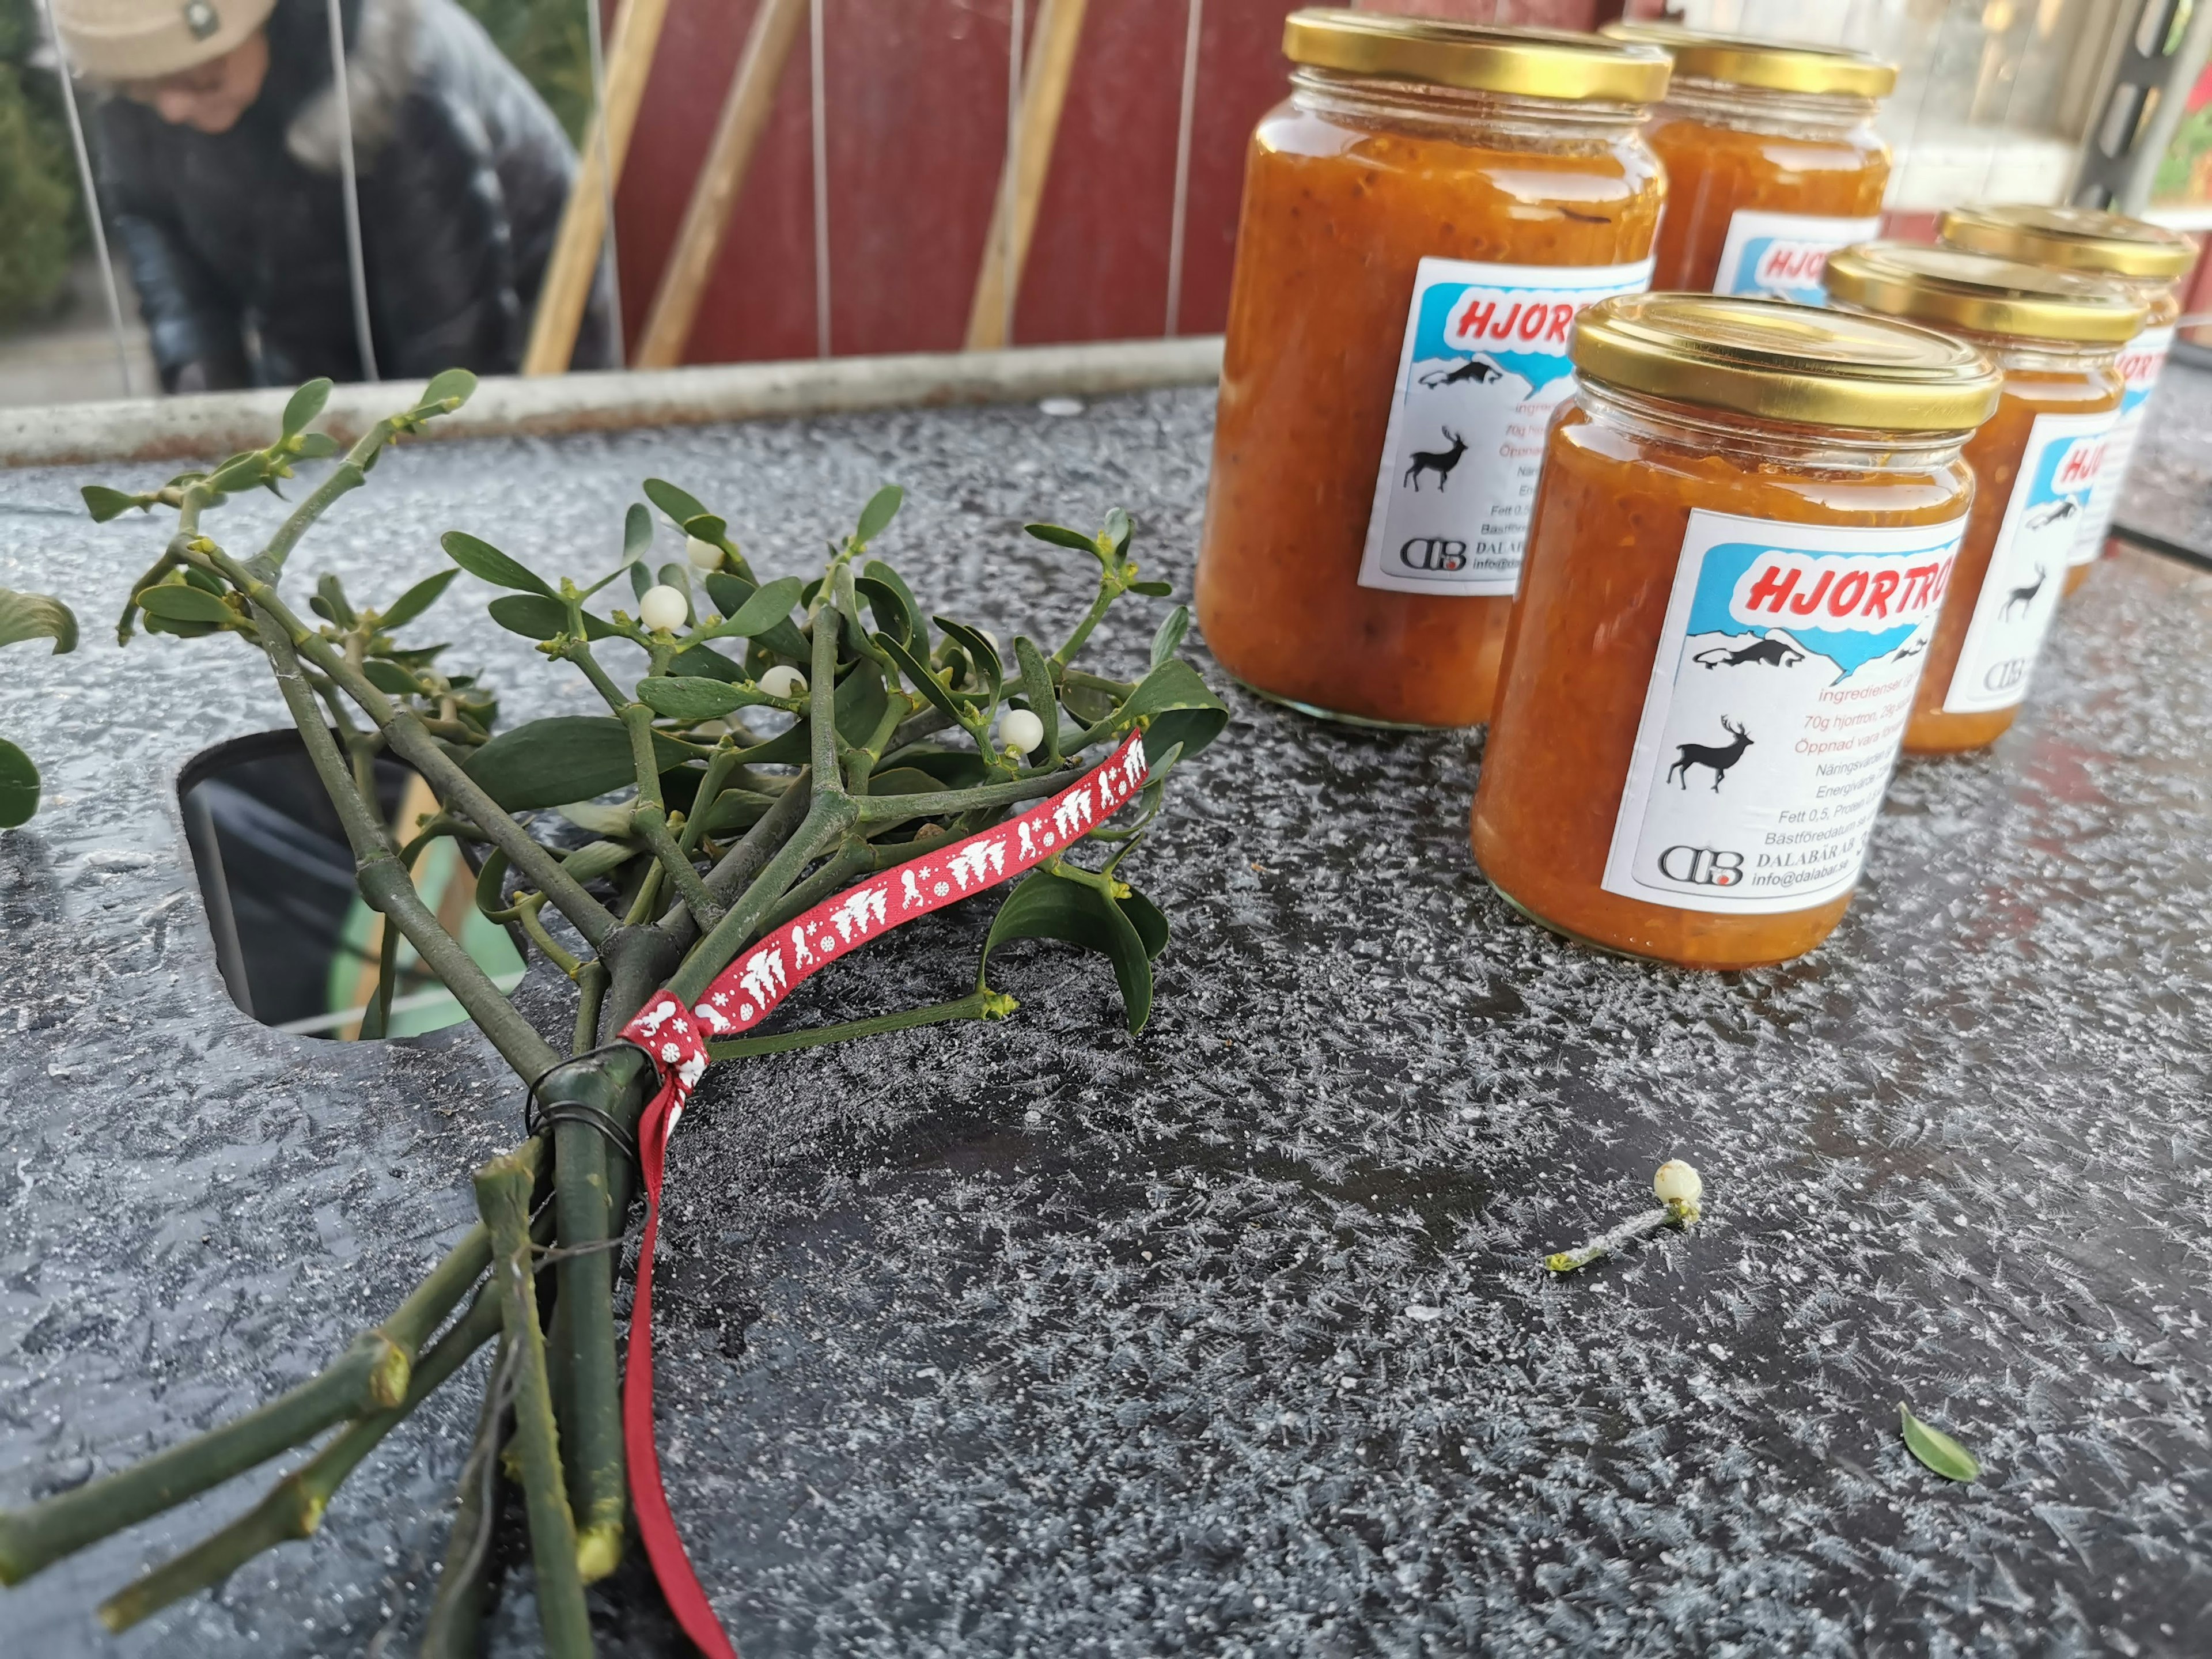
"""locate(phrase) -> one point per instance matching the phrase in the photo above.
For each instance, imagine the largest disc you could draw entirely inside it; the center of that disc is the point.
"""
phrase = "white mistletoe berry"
(1677, 1183)
(662, 609)
(704, 556)
(1020, 730)
(783, 681)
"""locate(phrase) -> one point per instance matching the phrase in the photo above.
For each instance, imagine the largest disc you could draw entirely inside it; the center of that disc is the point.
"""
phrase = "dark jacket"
(237, 241)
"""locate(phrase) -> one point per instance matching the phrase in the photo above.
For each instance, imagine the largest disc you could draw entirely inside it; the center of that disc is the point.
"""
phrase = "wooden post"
(706, 218)
(574, 264)
(1029, 160)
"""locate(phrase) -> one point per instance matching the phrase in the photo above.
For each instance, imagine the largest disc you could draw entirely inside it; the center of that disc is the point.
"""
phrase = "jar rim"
(1786, 362)
(1767, 65)
(1556, 64)
(2087, 240)
(1952, 287)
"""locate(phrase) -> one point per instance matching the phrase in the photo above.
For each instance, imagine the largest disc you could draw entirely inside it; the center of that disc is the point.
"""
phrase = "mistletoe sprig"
(765, 743)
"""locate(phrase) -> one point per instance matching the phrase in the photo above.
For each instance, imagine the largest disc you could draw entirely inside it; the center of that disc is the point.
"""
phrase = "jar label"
(1778, 697)
(2139, 364)
(1784, 255)
(1483, 366)
(2035, 541)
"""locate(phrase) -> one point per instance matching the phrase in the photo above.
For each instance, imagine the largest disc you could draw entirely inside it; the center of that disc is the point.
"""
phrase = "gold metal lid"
(1786, 362)
(1531, 63)
(1766, 65)
(1951, 288)
(2072, 239)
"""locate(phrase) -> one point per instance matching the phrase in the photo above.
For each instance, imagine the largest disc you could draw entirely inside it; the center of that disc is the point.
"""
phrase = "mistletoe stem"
(1109, 591)
(404, 732)
(348, 474)
(385, 883)
(503, 1197)
(294, 1507)
(946, 803)
(982, 1003)
(370, 1375)
(827, 820)
(456, 1616)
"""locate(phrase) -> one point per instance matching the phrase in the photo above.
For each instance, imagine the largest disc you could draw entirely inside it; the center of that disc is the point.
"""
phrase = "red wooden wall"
(916, 96)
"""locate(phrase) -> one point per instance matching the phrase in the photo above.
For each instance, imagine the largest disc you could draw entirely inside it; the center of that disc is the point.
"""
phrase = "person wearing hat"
(220, 176)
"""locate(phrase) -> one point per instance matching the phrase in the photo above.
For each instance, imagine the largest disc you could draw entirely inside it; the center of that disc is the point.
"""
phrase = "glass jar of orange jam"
(1773, 161)
(2149, 261)
(1422, 220)
(2037, 461)
(1749, 515)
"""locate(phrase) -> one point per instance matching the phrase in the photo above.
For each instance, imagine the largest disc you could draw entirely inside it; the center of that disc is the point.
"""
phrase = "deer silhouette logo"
(1719, 759)
(1480, 370)
(1439, 461)
(1772, 649)
(2023, 597)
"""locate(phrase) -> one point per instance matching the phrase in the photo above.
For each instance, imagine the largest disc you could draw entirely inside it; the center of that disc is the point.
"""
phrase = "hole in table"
(297, 946)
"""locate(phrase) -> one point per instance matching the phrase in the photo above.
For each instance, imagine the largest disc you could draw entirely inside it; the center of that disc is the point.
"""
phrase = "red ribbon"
(742, 995)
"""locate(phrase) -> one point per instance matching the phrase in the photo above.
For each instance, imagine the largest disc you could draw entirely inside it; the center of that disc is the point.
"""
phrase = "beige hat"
(144, 39)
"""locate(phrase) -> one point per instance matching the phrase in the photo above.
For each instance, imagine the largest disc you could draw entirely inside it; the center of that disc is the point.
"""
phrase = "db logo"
(1433, 553)
(2004, 676)
(1701, 866)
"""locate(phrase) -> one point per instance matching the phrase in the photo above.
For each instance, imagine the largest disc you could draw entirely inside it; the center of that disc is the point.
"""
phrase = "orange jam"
(1772, 162)
(1748, 517)
(2036, 462)
(2149, 261)
(1422, 220)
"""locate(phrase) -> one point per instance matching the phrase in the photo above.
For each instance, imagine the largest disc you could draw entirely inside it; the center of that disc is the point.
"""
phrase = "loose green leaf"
(692, 697)
(416, 600)
(36, 617)
(637, 533)
(1046, 906)
(1152, 590)
(681, 506)
(1937, 1449)
(104, 504)
(486, 563)
(566, 758)
(305, 404)
(183, 604)
(536, 617)
(876, 517)
(1180, 708)
(1060, 536)
(19, 786)
(1169, 636)
(1036, 685)
(456, 385)
(389, 678)
(979, 651)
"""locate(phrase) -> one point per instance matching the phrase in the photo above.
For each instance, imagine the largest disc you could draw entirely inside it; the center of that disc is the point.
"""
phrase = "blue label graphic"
(1711, 610)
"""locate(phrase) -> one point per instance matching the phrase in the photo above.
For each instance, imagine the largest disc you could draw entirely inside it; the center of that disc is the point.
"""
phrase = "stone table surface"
(1231, 1338)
